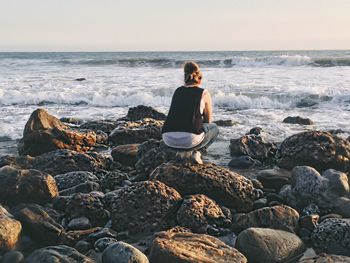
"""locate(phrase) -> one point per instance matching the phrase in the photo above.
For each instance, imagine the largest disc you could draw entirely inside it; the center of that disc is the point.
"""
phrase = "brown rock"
(26, 186)
(274, 178)
(192, 248)
(144, 207)
(224, 186)
(326, 258)
(44, 133)
(10, 230)
(198, 212)
(140, 112)
(125, 154)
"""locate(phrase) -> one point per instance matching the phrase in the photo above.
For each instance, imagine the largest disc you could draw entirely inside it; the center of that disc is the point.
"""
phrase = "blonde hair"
(193, 74)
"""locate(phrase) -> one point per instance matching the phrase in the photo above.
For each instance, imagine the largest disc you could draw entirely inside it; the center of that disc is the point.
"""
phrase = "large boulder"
(269, 245)
(55, 254)
(317, 149)
(140, 112)
(44, 133)
(10, 230)
(38, 224)
(276, 217)
(130, 132)
(199, 213)
(26, 186)
(333, 236)
(192, 248)
(222, 185)
(145, 207)
(121, 252)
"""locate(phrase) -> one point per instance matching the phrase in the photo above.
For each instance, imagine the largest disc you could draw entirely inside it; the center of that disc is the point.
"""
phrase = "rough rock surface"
(113, 180)
(10, 230)
(44, 133)
(144, 207)
(199, 212)
(192, 248)
(274, 178)
(298, 120)
(125, 154)
(225, 187)
(269, 245)
(276, 217)
(57, 254)
(317, 149)
(26, 186)
(326, 258)
(68, 180)
(121, 252)
(103, 125)
(333, 236)
(255, 146)
(140, 112)
(136, 132)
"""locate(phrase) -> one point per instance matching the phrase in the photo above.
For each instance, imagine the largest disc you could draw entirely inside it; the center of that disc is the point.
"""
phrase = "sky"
(176, 25)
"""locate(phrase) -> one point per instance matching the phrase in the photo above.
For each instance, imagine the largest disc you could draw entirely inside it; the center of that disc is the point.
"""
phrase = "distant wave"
(237, 61)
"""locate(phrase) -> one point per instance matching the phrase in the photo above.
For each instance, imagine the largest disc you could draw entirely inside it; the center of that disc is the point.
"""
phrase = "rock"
(276, 217)
(13, 257)
(80, 79)
(298, 120)
(70, 120)
(89, 206)
(44, 133)
(195, 248)
(225, 187)
(309, 222)
(323, 218)
(317, 149)
(333, 236)
(125, 154)
(26, 186)
(38, 224)
(57, 254)
(254, 146)
(121, 252)
(274, 178)
(10, 230)
(101, 125)
(144, 207)
(136, 132)
(243, 162)
(199, 212)
(338, 181)
(141, 112)
(225, 123)
(269, 245)
(81, 188)
(102, 233)
(83, 246)
(326, 258)
(79, 223)
(101, 244)
(342, 206)
(68, 180)
(113, 180)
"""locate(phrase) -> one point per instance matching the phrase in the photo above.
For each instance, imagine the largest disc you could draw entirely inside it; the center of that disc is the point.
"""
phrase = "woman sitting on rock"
(188, 126)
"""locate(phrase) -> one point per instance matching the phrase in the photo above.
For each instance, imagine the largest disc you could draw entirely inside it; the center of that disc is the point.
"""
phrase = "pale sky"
(171, 25)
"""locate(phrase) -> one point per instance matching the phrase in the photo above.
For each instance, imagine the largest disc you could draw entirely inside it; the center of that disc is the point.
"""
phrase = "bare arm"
(208, 110)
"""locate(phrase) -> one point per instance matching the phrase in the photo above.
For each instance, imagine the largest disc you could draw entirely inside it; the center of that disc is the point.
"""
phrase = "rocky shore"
(110, 192)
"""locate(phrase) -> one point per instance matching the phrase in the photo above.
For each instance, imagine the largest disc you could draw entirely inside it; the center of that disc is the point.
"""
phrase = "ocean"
(251, 88)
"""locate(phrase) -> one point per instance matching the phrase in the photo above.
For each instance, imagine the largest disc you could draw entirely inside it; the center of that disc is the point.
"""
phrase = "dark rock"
(83, 246)
(113, 180)
(277, 217)
(255, 131)
(144, 207)
(199, 212)
(317, 149)
(89, 206)
(274, 178)
(38, 224)
(125, 154)
(101, 125)
(189, 247)
(255, 146)
(225, 123)
(269, 245)
(102, 233)
(140, 112)
(79, 223)
(10, 230)
(69, 120)
(121, 252)
(80, 79)
(102, 243)
(26, 186)
(243, 162)
(81, 188)
(309, 221)
(44, 133)
(333, 236)
(342, 206)
(323, 218)
(326, 258)
(12, 257)
(298, 120)
(260, 203)
(136, 132)
(68, 180)
(224, 186)
(57, 254)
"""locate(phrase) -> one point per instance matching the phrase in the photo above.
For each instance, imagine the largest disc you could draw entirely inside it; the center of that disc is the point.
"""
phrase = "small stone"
(298, 120)
(12, 257)
(79, 223)
(83, 246)
(226, 123)
(243, 162)
(121, 252)
(101, 244)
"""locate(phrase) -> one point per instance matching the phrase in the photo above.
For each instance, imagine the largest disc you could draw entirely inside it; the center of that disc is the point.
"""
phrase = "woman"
(189, 124)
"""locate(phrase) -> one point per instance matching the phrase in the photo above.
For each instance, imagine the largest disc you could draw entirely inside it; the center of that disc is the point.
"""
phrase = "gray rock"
(121, 252)
(269, 245)
(342, 206)
(68, 180)
(101, 244)
(12, 257)
(243, 162)
(274, 178)
(83, 246)
(79, 223)
(326, 258)
(338, 181)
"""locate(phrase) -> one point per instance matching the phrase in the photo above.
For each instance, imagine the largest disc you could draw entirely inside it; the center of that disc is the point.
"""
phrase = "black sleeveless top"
(184, 114)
